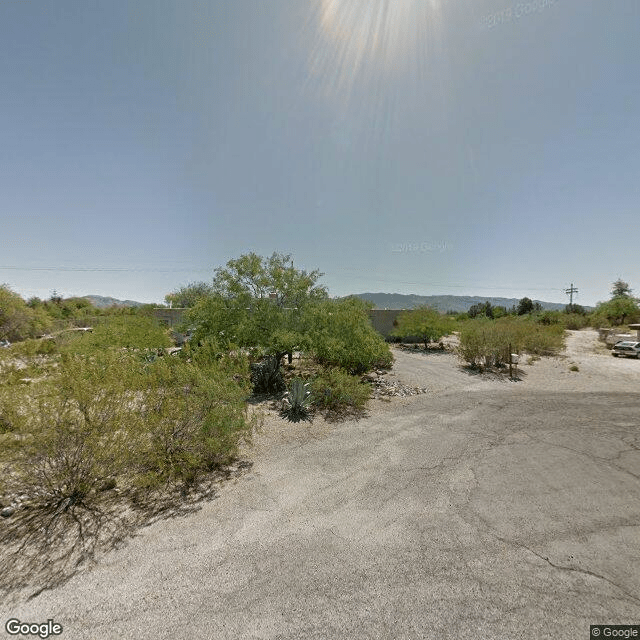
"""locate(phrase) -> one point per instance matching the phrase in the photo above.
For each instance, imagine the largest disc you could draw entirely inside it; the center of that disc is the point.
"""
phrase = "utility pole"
(570, 291)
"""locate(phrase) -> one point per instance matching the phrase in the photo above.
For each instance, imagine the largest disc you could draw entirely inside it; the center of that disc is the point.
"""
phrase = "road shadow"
(42, 547)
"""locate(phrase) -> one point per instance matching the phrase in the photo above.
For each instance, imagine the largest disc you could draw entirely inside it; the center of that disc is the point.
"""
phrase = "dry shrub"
(485, 343)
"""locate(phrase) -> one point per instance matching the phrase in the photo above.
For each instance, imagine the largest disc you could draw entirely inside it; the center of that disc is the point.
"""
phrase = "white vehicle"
(624, 348)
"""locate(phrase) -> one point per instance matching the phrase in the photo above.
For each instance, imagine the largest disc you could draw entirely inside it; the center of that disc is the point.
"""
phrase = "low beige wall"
(169, 317)
(383, 320)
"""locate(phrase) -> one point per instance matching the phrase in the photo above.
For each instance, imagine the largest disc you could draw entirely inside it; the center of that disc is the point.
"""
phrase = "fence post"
(510, 363)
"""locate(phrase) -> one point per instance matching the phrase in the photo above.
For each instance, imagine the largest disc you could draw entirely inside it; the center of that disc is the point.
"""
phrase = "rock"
(7, 512)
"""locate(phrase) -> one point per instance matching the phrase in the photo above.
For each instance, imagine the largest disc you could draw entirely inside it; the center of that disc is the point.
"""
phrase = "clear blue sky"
(413, 146)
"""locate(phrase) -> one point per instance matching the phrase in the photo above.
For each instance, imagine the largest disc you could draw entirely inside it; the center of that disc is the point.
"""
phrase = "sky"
(429, 147)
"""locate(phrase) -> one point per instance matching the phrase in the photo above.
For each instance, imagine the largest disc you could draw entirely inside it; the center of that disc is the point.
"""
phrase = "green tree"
(525, 305)
(257, 303)
(620, 289)
(17, 320)
(252, 278)
(423, 322)
(339, 333)
(617, 311)
(620, 309)
(481, 309)
(188, 295)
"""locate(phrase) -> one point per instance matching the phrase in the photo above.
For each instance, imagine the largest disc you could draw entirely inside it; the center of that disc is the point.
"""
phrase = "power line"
(108, 269)
(457, 286)
(210, 270)
(570, 293)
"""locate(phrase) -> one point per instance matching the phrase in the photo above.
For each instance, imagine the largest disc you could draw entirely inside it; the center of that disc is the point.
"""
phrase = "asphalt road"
(496, 514)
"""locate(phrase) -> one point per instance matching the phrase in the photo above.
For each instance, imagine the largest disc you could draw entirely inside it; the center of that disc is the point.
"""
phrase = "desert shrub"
(117, 332)
(340, 334)
(31, 347)
(538, 339)
(109, 415)
(548, 317)
(193, 417)
(485, 343)
(574, 321)
(481, 345)
(13, 400)
(426, 323)
(73, 430)
(17, 320)
(338, 393)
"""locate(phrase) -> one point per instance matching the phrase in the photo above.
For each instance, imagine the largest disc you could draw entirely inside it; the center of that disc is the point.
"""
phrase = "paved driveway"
(495, 513)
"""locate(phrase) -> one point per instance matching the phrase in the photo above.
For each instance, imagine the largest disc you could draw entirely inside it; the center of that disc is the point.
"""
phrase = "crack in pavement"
(589, 455)
(560, 567)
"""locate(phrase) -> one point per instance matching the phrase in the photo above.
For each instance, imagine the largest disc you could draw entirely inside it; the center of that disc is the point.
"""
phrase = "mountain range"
(102, 302)
(445, 303)
(384, 301)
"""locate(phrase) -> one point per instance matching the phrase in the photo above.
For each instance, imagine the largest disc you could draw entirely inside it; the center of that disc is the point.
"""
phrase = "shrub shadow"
(42, 547)
(492, 373)
(431, 351)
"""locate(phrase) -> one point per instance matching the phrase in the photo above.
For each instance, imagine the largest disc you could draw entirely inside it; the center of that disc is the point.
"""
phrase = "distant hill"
(103, 302)
(444, 303)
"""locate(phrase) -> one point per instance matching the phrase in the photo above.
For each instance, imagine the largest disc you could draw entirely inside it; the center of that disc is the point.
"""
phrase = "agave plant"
(266, 376)
(297, 400)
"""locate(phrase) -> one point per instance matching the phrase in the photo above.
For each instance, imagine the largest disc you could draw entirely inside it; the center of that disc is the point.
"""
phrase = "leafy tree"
(257, 303)
(620, 309)
(481, 309)
(423, 322)
(187, 296)
(17, 320)
(76, 308)
(617, 311)
(620, 289)
(525, 305)
(252, 278)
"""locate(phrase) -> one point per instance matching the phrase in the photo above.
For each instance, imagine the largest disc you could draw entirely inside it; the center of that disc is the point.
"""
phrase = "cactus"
(297, 401)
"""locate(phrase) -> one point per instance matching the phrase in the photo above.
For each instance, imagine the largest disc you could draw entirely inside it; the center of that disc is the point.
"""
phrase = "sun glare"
(371, 40)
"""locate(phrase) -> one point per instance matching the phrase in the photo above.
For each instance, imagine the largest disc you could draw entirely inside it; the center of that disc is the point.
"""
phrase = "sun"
(365, 40)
